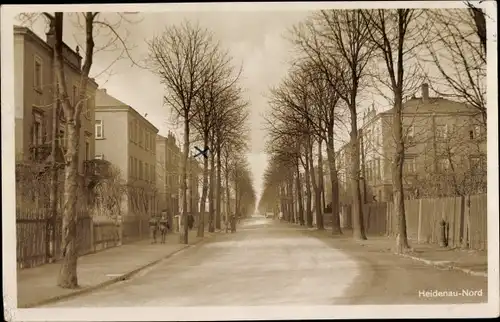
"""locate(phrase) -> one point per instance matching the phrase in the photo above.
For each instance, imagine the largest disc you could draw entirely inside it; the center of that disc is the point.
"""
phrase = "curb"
(438, 264)
(450, 267)
(113, 280)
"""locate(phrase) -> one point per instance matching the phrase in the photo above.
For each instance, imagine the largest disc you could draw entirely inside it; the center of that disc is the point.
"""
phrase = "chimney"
(425, 92)
(104, 91)
(51, 34)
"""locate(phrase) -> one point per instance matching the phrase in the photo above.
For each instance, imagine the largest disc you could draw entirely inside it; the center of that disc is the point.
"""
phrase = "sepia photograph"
(244, 161)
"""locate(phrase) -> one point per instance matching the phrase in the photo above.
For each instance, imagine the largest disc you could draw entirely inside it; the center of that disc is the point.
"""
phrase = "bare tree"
(230, 130)
(390, 33)
(339, 45)
(219, 81)
(181, 56)
(458, 52)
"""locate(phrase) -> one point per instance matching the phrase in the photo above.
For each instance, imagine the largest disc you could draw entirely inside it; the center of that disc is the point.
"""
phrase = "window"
(140, 136)
(153, 171)
(477, 163)
(147, 140)
(476, 133)
(130, 132)
(38, 77)
(87, 150)
(378, 169)
(366, 140)
(130, 174)
(443, 164)
(136, 132)
(37, 129)
(410, 135)
(99, 157)
(146, 171)
(140, 171)
(409, 165)
(99, 130)
(441, 132)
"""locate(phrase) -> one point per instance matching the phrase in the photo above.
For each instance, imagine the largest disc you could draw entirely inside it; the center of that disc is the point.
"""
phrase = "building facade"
(445, 151)
(168, 173)
(33, 92)
(128, 140)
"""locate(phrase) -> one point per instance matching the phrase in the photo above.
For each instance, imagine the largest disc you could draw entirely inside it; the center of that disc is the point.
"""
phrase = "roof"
(105, 101)
(433, 105)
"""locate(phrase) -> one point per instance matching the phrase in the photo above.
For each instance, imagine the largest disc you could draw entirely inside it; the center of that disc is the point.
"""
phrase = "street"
(270, 263)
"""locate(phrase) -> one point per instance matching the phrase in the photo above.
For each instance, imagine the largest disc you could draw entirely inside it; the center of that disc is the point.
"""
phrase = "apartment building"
(445, 148)
(33, 92)
(128, 140)
(195, 177)
(168, 172)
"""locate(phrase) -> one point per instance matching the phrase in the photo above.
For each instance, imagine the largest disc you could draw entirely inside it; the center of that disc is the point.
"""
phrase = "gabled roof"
(103, 100)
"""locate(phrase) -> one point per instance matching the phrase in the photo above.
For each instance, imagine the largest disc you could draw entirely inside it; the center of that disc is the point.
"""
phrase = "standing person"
(153, 228)
(163, 227)
(233, 223)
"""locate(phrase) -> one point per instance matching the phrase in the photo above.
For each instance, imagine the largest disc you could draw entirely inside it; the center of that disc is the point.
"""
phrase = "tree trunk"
(184, 220)
(68, 273)
(480, 22)
(334, 181)
(397, 175)
(54, 184)
(236, 205)
(321, 174)
(211, 195)
(218, 188)
(299, 195)
(290, 198)
(309, 218)
(357, 211)
(228, 201)
(317, 192)
(201, 220)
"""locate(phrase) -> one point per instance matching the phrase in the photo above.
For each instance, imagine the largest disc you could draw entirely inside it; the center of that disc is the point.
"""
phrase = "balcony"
(39, 153)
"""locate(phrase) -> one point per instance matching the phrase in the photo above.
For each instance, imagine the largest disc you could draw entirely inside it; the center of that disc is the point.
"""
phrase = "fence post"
(419, 229)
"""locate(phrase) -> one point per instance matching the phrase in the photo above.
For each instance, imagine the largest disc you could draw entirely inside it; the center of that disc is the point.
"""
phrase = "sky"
(254, 39)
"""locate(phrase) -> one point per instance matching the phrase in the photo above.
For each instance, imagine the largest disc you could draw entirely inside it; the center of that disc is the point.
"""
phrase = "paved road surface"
(267, 263)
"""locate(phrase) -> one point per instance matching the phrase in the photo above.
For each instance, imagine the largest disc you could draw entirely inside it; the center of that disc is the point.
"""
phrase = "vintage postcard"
(230, 161)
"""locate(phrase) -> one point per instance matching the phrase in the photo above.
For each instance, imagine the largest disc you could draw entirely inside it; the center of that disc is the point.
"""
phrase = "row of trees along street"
(342, 55)
(203, 94)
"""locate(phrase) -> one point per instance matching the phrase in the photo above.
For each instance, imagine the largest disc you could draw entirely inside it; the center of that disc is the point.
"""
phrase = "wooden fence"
(466, 218)
(33, 243)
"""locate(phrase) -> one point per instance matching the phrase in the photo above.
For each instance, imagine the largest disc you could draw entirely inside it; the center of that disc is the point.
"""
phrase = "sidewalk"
(37, 286)
(472, 262)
